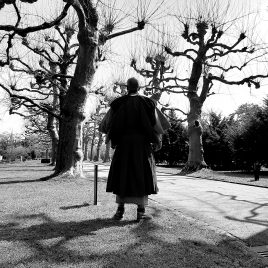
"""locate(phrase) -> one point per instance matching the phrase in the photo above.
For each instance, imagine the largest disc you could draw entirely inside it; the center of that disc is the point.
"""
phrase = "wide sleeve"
(161, 124)
(105, 124)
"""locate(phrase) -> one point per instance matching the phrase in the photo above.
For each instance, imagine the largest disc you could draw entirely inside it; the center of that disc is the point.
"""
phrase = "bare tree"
(87, 133)
(9, 31)
(95, 28)
(48, 67)
(214, 52)
(154, 64)
(214, 45)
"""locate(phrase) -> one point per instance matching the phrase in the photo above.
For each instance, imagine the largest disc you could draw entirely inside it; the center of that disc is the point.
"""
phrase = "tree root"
(192, 166)
(63, 176)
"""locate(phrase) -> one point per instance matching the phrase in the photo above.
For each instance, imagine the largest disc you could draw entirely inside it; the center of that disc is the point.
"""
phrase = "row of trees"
(61, 71)
(18, 147)
(237, 141)
(66, 51)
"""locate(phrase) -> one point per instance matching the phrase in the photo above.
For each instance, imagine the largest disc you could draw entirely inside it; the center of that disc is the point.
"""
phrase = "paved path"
(240, 210)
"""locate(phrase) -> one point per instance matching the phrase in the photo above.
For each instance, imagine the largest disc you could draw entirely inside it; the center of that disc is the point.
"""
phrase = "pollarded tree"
(17, 22)
(39, 96)
(151, 62)
(48, 66)
(215, 53)
(91, 36)
(95, 27)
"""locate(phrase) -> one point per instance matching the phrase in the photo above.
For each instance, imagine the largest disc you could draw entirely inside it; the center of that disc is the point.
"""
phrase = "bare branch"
(175, 79)
(142, 72)
(138, 28)
(174, 109)
(46, 25)
(183, 54)
(249, 80)
(62, 76)
(31, 101)
(41, 52)
(224, 46)
(11, 36)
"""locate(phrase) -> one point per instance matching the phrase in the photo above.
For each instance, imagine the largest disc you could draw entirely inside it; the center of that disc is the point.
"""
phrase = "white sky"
(226, 99)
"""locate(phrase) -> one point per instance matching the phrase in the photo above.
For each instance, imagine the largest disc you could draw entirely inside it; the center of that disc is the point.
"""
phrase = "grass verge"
(54, 224)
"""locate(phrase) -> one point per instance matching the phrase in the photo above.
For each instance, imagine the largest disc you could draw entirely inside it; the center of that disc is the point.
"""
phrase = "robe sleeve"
(105, 124)
(162, 124)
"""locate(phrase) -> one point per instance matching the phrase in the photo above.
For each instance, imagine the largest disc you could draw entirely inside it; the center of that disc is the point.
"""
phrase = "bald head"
(132, 85)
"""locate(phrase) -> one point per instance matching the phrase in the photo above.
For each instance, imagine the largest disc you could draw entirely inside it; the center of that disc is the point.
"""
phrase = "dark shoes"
(119, 214)
(140, 214)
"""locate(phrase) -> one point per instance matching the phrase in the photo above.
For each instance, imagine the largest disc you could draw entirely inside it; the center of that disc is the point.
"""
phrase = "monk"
(133, 128)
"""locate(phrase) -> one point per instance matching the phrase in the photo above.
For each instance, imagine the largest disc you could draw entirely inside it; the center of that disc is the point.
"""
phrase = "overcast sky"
(226, 99)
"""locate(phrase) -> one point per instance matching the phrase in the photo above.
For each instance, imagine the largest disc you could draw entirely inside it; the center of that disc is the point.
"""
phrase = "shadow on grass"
(75, 206)
(152, 245)
(48, 177)
(26, 169)
(63, 232)
(52, 229)
(244, 174)
(19, 181)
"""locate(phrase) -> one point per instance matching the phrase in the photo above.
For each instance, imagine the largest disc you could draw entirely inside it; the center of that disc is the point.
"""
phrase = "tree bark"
(52, 121)
(107, 157)
(97, 158)
(196, 153)
(52, 129)
(86, 141)
(70, 153)
(92, 142)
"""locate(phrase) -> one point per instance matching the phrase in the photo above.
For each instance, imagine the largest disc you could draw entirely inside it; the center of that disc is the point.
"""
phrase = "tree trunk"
(86, 141)
(52, 129)
(70, 152)
(52, 121)
(196, 153)
(92, 142)
(107, 157)
(97, 158)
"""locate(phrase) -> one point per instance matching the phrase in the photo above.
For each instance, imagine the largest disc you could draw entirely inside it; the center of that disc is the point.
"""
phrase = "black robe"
(132, 171)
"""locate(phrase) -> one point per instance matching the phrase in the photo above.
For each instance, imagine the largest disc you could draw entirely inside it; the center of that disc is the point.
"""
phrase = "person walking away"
(129, 124)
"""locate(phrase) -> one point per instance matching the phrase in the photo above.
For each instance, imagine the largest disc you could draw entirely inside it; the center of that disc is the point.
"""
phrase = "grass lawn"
(238, 176)
(234, 176)
(55, 224)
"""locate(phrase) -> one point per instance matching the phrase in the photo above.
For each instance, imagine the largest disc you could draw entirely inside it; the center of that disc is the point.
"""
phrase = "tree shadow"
(75, 206)
(63, 232)
(53, 229)
(149, 249)
(51, 176)
(26, 169)
(257, 239)
(18, 181)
